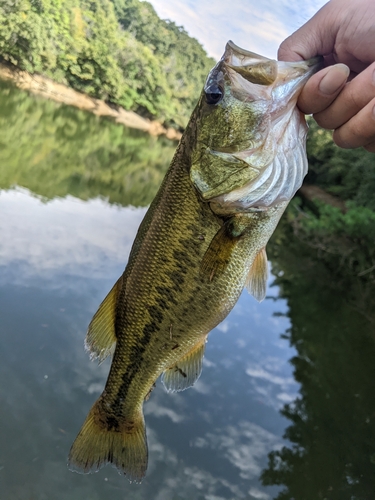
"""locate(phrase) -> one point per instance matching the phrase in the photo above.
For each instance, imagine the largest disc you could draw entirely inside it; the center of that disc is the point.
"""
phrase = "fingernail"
(334, 79)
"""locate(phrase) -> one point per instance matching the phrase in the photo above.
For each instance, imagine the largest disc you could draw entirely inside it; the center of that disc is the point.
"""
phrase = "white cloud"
(272, 382)
(259, 372)
(65, 235)
(287, 398)
(253, 25)
(204, 481)
(223, 327)
(157, 410)
(173, 474)
(255, 493)
(207, 363)
(245, 446)
(201, 387)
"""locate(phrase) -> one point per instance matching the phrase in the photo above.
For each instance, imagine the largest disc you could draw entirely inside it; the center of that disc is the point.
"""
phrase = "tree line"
(116, 50)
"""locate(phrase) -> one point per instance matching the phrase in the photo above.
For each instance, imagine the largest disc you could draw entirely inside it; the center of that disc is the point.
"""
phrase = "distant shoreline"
(47, 88)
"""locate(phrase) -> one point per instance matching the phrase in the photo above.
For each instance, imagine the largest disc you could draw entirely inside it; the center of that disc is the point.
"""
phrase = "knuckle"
(354, 97)
(286, 50)
(319, 120)
(323, 119)
(361, 89)
(342, 139)
(370, 147)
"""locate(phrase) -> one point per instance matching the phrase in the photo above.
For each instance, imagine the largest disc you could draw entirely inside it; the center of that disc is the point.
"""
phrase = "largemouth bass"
(239, 162)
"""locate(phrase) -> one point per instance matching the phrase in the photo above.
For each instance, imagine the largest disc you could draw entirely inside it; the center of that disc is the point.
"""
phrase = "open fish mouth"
(266, 72)
(256, 104)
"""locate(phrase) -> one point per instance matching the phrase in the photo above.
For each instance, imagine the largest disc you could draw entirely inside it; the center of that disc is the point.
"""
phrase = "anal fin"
(186, 371)
(256, 282)
(101, 338)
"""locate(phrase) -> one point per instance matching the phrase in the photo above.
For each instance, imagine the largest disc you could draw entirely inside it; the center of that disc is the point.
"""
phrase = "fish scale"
(201, 242)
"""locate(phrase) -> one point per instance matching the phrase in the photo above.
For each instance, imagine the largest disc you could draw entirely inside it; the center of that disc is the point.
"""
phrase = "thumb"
(316, 37)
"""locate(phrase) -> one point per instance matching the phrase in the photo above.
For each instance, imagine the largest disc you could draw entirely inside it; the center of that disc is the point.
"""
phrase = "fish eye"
(213, 93)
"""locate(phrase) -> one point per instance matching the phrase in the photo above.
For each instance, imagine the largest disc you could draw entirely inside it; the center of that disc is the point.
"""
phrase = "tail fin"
(105, 440)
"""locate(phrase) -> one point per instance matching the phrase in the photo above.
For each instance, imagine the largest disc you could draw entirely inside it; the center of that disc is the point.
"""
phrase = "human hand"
(342, 95)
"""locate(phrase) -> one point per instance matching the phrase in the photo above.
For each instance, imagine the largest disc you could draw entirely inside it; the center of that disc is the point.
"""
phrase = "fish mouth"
(231, 47)
(271, 166)
(233, 51)
(261, 70)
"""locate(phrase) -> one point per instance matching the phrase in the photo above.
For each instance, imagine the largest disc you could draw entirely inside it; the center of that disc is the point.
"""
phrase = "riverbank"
(47, 88)
(313, 193)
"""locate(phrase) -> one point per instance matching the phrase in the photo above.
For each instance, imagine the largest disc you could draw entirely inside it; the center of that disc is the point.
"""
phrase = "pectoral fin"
(101, 338)
(186, 371)
(218, 254)
(256, 282)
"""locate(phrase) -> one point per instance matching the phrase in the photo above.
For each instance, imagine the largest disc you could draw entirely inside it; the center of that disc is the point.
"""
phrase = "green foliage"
(347, 173)
(357, 222)
(324, 263)
(119, 51)
(183, 62)
(56, 150)
(343, 240)
(331, 309)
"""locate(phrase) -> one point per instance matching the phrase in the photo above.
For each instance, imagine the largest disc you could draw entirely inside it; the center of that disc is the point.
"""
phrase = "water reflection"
(332, 327)
(58, 259)
(55, 150)
(64, 236)
(66, 233)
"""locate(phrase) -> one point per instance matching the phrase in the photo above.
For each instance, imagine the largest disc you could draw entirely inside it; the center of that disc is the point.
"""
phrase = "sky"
(256, 25)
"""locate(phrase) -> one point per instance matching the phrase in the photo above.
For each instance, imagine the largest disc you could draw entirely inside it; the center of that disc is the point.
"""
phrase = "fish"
(202, 241)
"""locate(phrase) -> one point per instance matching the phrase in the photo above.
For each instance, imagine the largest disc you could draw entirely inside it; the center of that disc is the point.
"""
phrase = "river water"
(285, 405)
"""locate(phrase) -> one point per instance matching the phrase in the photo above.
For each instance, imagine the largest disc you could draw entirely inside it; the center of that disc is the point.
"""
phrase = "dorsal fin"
(101, 337)
(256, 282)
(186, 371)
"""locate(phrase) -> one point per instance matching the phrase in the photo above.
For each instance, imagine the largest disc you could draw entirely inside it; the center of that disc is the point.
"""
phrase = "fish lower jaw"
(243, 202)
(233, 209)
(277, 184)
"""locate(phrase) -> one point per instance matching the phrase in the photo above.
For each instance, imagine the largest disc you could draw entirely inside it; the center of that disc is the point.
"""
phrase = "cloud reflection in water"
(57, 261)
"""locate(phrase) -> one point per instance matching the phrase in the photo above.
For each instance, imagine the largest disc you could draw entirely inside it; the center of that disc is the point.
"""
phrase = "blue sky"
(256, 25)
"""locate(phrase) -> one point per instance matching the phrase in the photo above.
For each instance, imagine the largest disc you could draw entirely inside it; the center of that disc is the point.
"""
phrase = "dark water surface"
(73, 190)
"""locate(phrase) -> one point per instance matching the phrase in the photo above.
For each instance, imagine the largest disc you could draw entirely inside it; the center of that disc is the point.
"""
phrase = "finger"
(359, 130)
(370, 147)
(322, 89)
(355, 95)
(315, 37)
